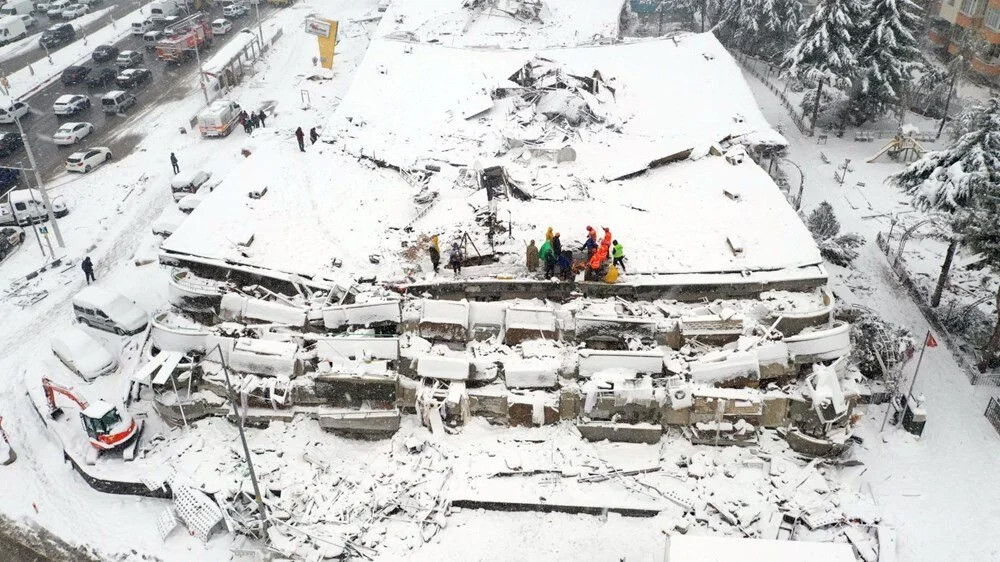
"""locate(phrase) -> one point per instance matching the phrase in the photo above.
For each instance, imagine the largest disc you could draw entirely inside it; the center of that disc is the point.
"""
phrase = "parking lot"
(169, 82)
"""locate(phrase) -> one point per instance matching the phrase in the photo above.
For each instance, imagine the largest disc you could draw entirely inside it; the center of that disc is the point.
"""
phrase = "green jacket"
(545, 252)
(617, 251)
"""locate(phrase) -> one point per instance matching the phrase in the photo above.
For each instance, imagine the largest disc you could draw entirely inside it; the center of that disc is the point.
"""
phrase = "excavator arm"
(51, 389)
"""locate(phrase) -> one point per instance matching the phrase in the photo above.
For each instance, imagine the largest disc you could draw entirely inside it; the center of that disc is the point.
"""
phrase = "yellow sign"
(327, 44)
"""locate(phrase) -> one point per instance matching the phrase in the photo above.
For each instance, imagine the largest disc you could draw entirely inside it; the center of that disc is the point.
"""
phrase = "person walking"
(313, 136)
(299, 136)
(531, 260)
(455, 261)
(618, 256)
(254, 120)
(261, 117)
(173, 162)
(88, 270)
(435, 256)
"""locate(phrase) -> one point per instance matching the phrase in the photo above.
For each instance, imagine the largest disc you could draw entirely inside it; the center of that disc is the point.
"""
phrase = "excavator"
(106, 428)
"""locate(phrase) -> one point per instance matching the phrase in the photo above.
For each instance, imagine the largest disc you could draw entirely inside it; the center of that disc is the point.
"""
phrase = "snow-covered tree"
(979, 229)
(762, 28)
(888, 58)
(839, 249)
(949, 179)
(826, 50)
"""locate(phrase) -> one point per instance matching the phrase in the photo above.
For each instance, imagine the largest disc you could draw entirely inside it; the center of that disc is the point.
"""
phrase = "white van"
(151, 38)
(160, 10)
(24, 206)
(12, 29)
(18, 8)
(141, 27)
(109, 311)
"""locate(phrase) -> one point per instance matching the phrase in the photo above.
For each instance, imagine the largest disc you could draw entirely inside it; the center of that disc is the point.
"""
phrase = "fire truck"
(183, 37)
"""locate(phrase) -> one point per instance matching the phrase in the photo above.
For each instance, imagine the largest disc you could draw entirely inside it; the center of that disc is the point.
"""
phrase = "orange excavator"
(106, 428)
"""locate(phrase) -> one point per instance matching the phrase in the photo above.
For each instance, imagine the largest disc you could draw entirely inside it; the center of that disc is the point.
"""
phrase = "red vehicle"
(183, 37)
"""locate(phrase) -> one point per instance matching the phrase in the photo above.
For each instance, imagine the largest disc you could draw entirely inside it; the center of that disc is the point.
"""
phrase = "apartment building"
(983, 16)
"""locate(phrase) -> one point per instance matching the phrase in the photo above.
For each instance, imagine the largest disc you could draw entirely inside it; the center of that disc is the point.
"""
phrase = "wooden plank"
(143, 374)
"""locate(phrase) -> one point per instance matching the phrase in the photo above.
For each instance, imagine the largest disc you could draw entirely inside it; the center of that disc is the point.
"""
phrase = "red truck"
(183, 37)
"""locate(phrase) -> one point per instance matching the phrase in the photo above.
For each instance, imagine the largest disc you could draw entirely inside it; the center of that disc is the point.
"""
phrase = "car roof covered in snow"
(188, 177)
(66, 98)
(113, 94)
(75, 339)
(97, 409)
(22, 195)
(96, 297)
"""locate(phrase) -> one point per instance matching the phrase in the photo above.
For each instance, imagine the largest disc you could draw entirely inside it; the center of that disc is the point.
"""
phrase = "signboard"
(318, 27)
(43, 229)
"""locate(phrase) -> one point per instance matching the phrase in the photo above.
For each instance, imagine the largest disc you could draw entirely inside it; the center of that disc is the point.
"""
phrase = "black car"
(102, 77)
(105, 53)
(74, 74)
(57, 35)
(10, 143)
(131, 77)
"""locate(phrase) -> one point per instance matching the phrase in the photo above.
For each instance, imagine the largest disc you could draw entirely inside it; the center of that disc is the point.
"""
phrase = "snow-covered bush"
(839, 249)
(873, 340)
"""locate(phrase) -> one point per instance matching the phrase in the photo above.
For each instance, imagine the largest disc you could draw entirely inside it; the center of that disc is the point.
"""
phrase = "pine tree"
(762, 28)
(951, 178)
(827, 46)
(889, 57)
(978, 227)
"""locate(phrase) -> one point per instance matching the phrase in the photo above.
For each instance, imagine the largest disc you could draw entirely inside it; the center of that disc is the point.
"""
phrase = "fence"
(992, 413)
(763, 74)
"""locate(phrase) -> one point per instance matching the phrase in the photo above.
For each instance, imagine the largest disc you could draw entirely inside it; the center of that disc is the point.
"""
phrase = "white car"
(83, 354)
(56, 8)
(71, 133)
(42, 7)
(70, 104)
(86, 160)
(221, 26)
(74, 11)
(29, 21)
(16, 111)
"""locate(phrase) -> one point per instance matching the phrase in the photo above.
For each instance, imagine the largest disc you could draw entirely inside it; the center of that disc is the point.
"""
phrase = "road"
(121, 8)
(168, 83)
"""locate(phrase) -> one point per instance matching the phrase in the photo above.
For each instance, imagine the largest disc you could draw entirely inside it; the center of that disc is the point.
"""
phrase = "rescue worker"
(254, 120)
(548, 256)
(173, 162)
(455, 260)
(618, 256)
(261, 117)
(88, 269)
(531, 260)
(591, 243)
(299, 136)
(548, 234)
(435, 256)
(313, 136)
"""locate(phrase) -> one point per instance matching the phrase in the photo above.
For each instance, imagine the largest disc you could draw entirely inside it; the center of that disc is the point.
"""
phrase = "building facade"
(955, 17)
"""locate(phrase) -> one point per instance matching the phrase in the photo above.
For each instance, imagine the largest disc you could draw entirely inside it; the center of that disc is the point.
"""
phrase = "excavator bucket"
(56, 413)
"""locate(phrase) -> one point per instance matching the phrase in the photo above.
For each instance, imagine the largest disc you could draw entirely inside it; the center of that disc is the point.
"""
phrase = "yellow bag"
(612, 275)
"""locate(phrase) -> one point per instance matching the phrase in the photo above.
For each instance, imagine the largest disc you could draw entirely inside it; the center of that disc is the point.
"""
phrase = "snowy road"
(121, 134)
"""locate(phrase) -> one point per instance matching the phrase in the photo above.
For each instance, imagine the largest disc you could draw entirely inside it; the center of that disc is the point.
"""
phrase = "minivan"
(17, 8)
(109, 311)
(151, 38)
(140, 27)
(117, 101)
(56, 35)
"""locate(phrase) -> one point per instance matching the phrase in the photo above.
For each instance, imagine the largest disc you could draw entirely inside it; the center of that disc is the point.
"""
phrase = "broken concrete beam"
(672, 416)
(338, 348)
(620, 432)
(527, 413)
(614, 328)
(406, 394)
(443, 368)
(775, 411)
(531, 373)
(737, 370)
(645, 362)
(351, 391)
(372, 424)
(570, 403)
(529, 322)
(488, 404)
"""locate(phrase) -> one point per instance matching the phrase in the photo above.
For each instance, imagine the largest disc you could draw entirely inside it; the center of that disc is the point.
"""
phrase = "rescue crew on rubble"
(531, 260)
(455, 260)
(618, 256)
(591, 243)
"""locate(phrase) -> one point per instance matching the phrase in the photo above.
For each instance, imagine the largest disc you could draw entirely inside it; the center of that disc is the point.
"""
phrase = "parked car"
(109, 311)
(188, 182)
(140, 27)
(57, 35)
(131, 77)
(128, 59)
(16, 111)
(82, 353)
(91, 3)
(71, 133)
(56, 8)
(18, 8)
(151, 38)
(73, 74)
(105, 53)
(28, 20)
(42, 7)
(221, 26)
(102, 77)
(70, 104)
(12, 234)
(117, 101)
(10, 143)
(86, 160)
(74, 11)
(234, 11)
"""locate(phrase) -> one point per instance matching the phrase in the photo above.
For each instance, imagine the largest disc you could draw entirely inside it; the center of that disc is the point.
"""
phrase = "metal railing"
(763, 70)
(992, 413)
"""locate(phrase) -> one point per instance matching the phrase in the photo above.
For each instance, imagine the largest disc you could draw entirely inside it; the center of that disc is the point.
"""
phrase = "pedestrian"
(243, 119)
(299, 136)
(254, 120)
(547, 257)
(618, 255)
(435, 256)
(173, 162)
(455, 260)
(261, 117)
(532, 257)
(88, 269)
(313, 136)
(247, 127)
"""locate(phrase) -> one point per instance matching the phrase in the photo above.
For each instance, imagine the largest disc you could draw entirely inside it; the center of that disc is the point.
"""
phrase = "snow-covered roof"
(662, 97)
(693, 548)
(96, 297)
(97, 409)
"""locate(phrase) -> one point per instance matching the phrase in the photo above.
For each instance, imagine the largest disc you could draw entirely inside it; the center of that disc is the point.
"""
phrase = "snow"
(689, 548)
(30, 42)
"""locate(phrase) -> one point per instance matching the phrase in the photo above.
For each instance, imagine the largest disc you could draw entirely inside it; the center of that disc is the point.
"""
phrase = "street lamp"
(260, 28)
(41, 185)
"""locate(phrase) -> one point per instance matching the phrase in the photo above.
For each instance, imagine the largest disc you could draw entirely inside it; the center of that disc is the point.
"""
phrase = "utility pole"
(201, 73)
(260, 28)
(41, 185)
(243, 439)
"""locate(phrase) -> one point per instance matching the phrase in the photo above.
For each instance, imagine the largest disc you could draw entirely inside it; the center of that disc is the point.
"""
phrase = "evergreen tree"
(952, 178)
(762, 28)
(889, 57)
(827, 46)
(978, 227)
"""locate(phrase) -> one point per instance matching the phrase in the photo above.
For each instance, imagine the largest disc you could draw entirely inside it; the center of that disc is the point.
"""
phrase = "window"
(970, 7)
(993, 18)
(20, 206)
